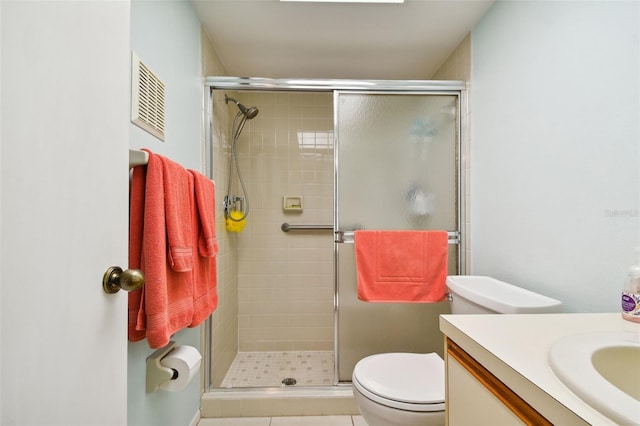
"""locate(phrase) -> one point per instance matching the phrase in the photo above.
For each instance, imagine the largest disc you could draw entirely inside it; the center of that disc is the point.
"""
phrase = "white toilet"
(405, 389)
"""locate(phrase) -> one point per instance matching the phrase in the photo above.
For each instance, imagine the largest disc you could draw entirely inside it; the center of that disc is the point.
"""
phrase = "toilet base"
(379, 415)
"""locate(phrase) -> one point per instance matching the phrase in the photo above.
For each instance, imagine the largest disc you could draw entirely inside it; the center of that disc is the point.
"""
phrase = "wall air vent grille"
(147, 99)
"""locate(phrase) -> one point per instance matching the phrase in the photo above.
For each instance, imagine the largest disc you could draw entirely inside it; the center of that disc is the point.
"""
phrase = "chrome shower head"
(248, 112)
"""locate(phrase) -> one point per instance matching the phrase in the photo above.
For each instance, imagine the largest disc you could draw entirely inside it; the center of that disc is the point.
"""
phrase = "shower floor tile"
(255, 369)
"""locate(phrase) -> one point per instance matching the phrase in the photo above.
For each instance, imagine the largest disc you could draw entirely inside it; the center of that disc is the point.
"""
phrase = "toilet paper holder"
(157, 373)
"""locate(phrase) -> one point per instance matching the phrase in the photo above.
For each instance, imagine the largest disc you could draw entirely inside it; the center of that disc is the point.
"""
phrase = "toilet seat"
(406, 381)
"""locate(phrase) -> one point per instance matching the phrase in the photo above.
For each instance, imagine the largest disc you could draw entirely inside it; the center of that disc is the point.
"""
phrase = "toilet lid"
(402, 377)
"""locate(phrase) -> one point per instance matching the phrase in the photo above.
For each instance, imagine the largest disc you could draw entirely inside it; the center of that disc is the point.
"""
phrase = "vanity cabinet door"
(475, 397)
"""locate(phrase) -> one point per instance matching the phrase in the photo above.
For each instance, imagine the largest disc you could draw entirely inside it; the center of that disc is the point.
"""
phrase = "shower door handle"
(346, 236)
(342, 237)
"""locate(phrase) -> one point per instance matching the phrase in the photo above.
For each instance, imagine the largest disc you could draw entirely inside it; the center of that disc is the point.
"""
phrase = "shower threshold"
(331, 400)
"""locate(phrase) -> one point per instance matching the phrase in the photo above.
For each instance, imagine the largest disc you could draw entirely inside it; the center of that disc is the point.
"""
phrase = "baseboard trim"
(196, 419)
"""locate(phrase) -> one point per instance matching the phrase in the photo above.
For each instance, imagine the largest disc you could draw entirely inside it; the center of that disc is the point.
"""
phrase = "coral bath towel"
(161, 246)
(401, 266)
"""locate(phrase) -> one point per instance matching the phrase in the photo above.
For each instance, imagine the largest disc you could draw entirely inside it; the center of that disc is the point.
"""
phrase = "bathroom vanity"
(498, 372)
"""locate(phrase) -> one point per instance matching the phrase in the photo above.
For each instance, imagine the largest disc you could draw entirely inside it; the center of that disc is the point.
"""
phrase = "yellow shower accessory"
(235, 222)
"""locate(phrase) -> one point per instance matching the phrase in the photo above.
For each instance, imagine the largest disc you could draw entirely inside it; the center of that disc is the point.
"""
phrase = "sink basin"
(603, 369)
(613, 364)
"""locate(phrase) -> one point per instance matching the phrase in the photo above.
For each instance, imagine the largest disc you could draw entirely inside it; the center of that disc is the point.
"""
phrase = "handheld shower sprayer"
(236, 217)
(248, 112)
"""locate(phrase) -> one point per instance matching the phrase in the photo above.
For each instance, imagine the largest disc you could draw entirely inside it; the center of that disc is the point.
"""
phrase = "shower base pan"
(253, 387)
(280, 368)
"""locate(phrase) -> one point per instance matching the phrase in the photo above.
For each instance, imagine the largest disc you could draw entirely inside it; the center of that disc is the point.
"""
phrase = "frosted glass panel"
(397, 161)
(397, 169)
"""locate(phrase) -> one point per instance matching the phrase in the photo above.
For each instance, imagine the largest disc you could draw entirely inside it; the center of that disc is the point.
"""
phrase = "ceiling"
(275, 39)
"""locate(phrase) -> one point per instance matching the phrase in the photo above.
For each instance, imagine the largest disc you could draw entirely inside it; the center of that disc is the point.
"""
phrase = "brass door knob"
(115, 279)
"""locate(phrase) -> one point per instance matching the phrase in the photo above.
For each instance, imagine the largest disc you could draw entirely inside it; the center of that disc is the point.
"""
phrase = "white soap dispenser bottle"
(631, 292)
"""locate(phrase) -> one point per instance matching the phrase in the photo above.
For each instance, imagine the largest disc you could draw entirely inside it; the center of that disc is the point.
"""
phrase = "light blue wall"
(166, 37)
(555, 163)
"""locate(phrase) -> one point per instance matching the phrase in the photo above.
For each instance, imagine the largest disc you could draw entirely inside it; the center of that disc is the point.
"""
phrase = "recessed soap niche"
(292, 203)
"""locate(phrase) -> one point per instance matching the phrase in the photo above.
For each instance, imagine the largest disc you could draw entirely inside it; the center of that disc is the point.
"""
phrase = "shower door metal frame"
(336, 86)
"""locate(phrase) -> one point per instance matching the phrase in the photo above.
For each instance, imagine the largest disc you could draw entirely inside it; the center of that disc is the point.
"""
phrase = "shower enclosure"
(322, 159)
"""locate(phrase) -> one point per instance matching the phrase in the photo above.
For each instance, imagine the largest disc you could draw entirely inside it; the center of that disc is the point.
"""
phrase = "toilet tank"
(472, 294)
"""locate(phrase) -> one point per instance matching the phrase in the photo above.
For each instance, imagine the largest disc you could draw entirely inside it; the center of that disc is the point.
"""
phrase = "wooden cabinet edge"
(510, 399)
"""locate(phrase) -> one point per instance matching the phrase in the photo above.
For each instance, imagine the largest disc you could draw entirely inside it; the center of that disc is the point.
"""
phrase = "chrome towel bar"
(346, 237)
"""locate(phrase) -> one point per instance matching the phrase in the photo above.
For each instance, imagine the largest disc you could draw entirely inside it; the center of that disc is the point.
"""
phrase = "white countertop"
(514, 348)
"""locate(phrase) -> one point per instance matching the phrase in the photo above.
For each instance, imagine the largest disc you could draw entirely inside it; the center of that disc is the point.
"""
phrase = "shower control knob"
(115, 279)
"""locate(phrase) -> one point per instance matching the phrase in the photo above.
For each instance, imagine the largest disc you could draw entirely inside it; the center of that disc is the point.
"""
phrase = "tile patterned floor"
(254, 369)
(287, 421)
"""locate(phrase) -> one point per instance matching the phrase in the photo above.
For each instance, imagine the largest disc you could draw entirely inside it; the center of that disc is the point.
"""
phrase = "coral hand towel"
(205, 295)
(177, 198)
(205, 202)
(401, 266)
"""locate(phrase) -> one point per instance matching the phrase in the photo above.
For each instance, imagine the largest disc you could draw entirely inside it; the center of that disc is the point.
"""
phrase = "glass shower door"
(396, 168)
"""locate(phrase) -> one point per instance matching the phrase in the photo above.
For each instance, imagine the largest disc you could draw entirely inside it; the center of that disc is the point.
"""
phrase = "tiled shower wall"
(285, 280)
